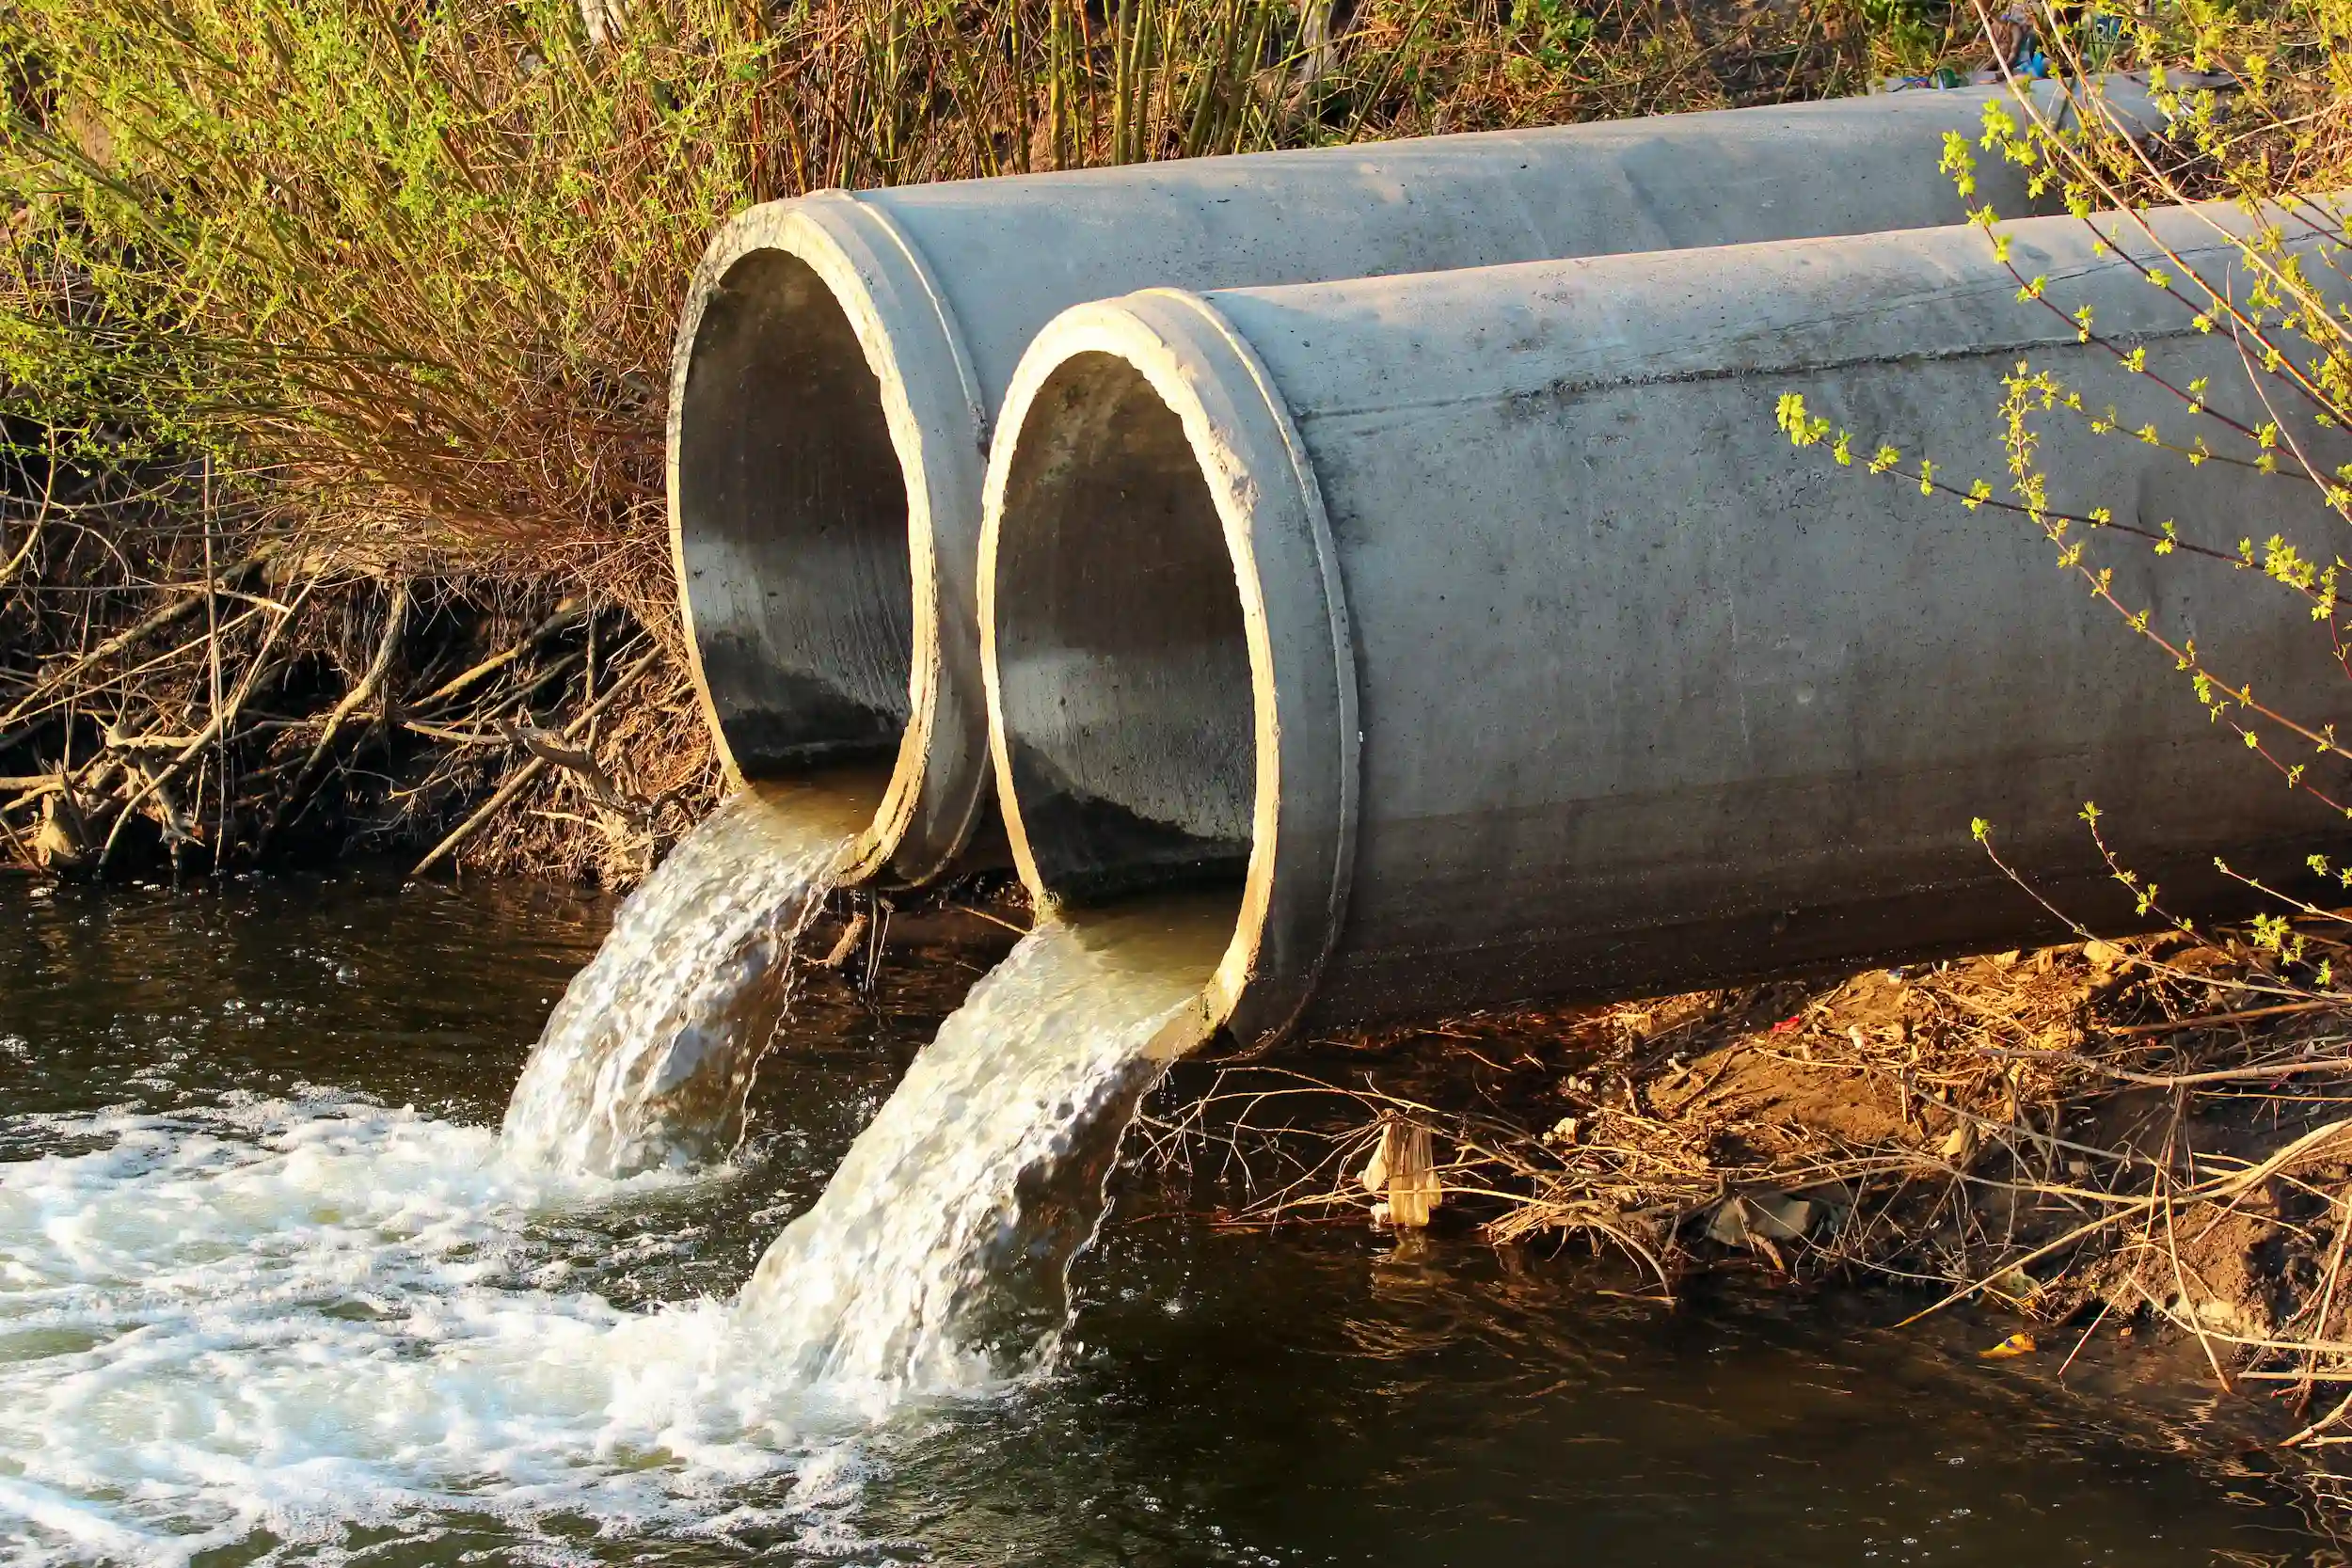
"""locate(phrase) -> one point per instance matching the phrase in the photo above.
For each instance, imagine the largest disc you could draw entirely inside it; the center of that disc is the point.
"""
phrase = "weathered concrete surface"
(1555, 670)
(842, 358)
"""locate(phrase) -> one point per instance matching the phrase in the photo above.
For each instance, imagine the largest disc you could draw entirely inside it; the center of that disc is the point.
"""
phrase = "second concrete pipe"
(842, 358)
(1482, 636)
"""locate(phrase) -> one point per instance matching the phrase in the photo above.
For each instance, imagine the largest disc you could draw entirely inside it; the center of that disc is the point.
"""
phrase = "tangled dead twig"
(289, 724)
(529, 772)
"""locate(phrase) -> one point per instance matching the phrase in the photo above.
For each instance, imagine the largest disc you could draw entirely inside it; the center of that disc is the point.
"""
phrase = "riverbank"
(2086, 1166)
(2118, 1144)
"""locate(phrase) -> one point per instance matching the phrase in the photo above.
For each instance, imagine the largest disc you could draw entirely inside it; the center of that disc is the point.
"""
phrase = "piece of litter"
(1414, 1188)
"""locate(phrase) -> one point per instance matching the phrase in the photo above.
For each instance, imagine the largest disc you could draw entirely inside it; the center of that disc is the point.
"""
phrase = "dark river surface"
(268, 1294)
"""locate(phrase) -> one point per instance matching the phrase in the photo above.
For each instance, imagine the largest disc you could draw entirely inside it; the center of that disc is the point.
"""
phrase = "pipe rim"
(933, 408)
(1302, 663)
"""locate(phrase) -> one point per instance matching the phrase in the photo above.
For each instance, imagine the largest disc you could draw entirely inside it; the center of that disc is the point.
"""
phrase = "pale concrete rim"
(932, 406)
(1302, 665)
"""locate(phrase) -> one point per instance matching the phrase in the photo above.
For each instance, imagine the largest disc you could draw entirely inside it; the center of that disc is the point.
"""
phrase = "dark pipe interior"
(792, 513)
(1122, 662)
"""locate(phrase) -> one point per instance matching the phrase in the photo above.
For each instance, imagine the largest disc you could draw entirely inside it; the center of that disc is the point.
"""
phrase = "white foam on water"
(648, 1060)
(287, 1320)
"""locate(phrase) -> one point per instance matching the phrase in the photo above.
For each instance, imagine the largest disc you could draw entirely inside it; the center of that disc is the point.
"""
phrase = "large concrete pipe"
(842, 358)
(1483, 637)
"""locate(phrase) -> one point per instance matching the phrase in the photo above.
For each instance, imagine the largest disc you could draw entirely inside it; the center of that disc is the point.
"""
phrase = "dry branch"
(523, 776)
(365, 691)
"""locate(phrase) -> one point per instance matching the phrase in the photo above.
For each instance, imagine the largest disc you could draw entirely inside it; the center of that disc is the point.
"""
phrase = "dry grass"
(216, 702)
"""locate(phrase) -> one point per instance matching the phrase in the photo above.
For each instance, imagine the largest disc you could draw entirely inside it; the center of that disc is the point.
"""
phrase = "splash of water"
(946, 1236)
(291, 1320)
(648, 1060)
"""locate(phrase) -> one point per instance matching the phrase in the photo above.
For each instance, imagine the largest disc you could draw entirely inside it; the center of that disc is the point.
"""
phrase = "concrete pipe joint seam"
(841, 359)
(1484, 638)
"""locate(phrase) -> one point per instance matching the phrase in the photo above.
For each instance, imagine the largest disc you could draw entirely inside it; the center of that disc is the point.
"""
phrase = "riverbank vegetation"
(334, 343)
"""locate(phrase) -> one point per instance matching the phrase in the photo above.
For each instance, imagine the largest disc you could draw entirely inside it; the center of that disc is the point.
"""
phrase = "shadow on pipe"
(1482, 636)
(841, 359)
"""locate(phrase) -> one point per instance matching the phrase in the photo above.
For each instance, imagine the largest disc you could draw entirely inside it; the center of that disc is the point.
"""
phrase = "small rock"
(1745, 1220)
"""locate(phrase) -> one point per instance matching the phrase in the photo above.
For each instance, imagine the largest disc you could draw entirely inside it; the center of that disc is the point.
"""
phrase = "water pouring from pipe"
(937, 1258)
(648, 1061)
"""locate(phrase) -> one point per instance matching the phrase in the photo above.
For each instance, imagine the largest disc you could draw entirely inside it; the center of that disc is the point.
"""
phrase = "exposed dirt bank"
(2144, 1141)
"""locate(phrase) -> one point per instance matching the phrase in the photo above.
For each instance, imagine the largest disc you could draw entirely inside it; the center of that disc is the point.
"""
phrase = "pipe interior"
(1122, 659)
(793, 527)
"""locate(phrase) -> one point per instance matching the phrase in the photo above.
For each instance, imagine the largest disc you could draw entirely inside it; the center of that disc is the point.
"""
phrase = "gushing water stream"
(935, 1260)
(939, 1249)
(648, 1060)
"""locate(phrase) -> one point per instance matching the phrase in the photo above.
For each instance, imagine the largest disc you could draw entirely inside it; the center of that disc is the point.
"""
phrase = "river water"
(270, 1292)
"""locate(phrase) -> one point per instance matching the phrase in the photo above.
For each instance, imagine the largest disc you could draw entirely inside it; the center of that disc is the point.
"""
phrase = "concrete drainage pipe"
(842, 358)
(1483, 637)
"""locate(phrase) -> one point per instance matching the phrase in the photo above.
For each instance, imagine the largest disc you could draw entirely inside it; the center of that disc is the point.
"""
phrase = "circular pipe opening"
(791, 528)
(1165, 644)
(1122, 663)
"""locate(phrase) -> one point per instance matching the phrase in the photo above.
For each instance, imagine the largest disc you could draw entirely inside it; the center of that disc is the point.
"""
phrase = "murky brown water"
(268, 1291)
